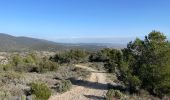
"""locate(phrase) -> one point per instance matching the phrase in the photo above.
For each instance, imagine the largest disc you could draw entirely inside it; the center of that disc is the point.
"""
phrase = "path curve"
(95, 88)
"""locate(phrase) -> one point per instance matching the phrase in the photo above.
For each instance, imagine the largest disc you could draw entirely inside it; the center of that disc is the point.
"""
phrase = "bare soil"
(92, 88)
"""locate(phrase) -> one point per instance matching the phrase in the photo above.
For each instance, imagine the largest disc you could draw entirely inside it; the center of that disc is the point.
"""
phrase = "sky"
(84, 20)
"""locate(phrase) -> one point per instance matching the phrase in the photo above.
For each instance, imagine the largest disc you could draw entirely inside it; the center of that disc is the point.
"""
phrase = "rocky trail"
(93, 88)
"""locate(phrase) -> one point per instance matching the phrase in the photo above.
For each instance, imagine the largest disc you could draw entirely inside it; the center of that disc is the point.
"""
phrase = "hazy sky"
(72, 20)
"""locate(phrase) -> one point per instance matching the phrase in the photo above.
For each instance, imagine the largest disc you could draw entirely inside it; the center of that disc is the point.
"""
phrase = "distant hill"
(12, 43)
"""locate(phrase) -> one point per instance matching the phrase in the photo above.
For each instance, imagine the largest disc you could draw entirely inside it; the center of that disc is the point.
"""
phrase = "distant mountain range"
(12, 43)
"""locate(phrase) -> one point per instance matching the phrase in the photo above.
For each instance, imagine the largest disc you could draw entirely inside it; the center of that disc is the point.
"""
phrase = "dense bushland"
(144, 64)
(110, 57)
(72, 56)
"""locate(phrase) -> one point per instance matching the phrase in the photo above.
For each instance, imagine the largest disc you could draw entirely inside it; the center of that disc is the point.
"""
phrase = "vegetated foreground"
(94, 87)
(139, 72)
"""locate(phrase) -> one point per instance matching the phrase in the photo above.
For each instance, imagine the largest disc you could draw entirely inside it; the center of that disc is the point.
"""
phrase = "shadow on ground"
(94, 97)
(96, 85)
(88, 84)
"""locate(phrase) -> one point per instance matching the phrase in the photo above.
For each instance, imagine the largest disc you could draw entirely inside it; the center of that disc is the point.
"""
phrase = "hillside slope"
(12, 43)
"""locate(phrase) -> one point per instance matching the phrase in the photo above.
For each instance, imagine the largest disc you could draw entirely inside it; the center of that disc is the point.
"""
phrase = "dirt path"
(94, 88)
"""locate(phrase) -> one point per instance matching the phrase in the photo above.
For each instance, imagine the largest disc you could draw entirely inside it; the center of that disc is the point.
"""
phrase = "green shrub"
(23, 97)
(148, 64)
(29, 59)
(64, 85)
(113, 95)
(5, 95)
(30, 63)
(1, 68)
(110, 66)
(7, 67)
(133, 83)
(41, 91)
(98, 57)
(16, 59)
(47, 65)
(20, 63)
(72, 56)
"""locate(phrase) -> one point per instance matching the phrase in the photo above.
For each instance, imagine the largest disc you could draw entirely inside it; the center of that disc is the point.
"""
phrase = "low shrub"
(47, 65)
(113, 94)
(30, 63)
(64, 85)
(4, 95)
(41, 91)
(7, 67)
(81, 73)
(23, 97)
(11, 77)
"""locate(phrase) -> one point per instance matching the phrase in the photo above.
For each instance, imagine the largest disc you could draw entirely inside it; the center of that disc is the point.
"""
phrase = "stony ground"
(92, 88)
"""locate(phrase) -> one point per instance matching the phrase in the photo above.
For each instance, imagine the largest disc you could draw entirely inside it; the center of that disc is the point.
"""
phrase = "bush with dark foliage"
(146, 64)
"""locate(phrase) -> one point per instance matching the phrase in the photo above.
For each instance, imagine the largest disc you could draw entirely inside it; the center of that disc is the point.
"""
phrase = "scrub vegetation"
(140, 71)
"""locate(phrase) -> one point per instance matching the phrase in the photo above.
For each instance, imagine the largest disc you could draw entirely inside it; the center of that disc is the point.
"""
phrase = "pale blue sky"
(79, 20)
